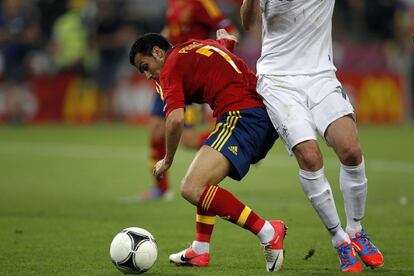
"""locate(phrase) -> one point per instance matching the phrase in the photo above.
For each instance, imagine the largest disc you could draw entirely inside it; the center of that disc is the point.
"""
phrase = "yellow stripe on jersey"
(211, 7)
(209, 197)
(243, 216)
(159, 90)
(211, 220)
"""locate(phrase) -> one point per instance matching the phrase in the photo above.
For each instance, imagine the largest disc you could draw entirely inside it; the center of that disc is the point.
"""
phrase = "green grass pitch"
(59, 204)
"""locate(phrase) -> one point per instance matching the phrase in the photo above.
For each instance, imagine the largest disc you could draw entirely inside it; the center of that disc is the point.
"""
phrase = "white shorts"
(302, 106)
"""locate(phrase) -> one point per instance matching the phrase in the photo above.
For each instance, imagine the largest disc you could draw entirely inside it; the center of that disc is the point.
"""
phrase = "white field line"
(87, 151)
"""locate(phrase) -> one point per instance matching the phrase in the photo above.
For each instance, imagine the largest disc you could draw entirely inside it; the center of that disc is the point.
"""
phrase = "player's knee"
(190, 190)
(351, 155)
(186, 191)
(313, 160)
(309, 158)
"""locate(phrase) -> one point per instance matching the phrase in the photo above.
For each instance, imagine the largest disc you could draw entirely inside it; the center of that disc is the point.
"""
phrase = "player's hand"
(160, 167)
(223, 34)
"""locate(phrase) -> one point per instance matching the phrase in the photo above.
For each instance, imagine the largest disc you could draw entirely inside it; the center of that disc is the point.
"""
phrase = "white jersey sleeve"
(296, 37)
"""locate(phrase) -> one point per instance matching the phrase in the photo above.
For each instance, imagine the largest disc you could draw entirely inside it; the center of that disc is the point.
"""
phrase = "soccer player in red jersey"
(205, 71)
(198, 19)
(185, 19)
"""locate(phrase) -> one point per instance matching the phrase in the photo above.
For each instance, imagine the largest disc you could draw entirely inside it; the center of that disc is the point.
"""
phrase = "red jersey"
(196, 19)
(204, 71)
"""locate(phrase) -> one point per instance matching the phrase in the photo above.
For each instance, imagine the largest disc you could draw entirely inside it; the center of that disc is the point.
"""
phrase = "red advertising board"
(377, 97)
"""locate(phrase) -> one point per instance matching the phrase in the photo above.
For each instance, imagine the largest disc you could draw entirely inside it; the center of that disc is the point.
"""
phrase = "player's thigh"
(334, 118)
(334, 105)
(244, 137)
(288, 111)
(209, 167)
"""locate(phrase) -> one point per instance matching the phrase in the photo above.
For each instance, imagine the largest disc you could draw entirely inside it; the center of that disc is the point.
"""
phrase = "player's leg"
(319, 192)
(200, 188)
(205, 222)
(210, 167)
(343, 137)
(156, 129)
(288, 108)
(333, 119)
(198, 254)
(317, 188)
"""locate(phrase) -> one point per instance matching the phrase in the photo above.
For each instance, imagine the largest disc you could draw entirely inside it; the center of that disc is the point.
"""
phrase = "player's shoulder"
(189, 46)
(181, 53)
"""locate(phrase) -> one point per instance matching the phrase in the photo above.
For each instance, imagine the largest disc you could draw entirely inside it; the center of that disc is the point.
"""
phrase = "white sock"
(354, 187)
(318, 190)
(352, 231)
(339, 237)
(200, 247)
(267, 233)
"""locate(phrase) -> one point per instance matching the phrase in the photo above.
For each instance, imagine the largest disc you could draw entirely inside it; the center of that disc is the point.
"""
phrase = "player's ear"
(158, 53)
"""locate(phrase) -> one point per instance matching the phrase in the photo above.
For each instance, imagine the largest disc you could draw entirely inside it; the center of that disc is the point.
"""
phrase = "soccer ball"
(133, 250)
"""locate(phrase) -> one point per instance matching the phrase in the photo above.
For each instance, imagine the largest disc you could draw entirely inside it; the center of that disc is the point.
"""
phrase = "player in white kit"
(296, 77)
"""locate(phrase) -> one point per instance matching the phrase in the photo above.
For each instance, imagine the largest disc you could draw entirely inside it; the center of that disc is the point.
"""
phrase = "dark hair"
(145, 43)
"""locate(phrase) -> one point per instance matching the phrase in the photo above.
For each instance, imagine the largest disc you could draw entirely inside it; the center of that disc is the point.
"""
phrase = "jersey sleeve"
(210, 14)
(171, 82)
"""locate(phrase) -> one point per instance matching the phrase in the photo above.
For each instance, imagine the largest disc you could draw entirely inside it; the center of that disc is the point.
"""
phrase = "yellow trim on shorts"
(223, 131)
(227, 130)
(218, 125)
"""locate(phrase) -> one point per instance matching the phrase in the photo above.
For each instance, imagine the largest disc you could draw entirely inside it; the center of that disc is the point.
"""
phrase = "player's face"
(150, 65)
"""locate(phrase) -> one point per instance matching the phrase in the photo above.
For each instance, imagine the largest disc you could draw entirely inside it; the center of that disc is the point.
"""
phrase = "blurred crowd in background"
(67, 60)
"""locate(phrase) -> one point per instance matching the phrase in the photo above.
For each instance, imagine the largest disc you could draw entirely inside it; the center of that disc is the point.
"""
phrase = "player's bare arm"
(249, 13)
(174, 125)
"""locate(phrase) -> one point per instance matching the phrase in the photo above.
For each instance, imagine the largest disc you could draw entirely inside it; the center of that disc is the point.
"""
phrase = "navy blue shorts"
(157, 106)
(244, 137)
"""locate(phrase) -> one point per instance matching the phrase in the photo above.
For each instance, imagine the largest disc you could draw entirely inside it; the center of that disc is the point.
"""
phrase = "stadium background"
(70, 64)
(73, 141)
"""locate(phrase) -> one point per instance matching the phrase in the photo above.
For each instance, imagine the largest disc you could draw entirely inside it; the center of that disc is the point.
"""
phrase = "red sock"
(204, 225)
(224, 204)
(157, 152)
